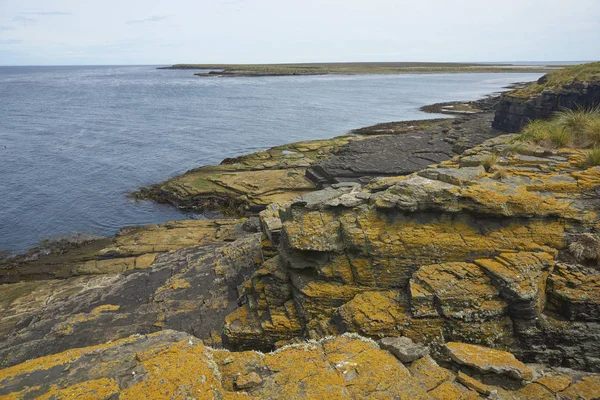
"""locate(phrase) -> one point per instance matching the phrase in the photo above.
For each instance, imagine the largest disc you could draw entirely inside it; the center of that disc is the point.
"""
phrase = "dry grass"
(490, 161)
(586, 247)
(500, 174)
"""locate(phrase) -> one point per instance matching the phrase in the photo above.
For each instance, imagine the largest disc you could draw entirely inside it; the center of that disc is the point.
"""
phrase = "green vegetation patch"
(578, 128)
(556, 79)
(353, 68)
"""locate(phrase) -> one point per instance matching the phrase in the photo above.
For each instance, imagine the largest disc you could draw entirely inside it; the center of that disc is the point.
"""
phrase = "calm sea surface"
(75, 140)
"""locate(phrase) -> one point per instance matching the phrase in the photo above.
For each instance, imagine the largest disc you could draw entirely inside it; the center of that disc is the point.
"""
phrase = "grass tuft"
(576, 120)
(534, 131)
(593, 157)
(560, 136)
(592, 131)
(578, 128)
(490, 161)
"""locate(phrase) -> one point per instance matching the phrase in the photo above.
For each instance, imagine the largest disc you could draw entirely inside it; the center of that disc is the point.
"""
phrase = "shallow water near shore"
(75, 140)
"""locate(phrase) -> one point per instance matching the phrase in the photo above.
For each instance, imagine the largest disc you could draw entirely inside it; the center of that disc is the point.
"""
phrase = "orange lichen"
(181, 370)
(96, 389)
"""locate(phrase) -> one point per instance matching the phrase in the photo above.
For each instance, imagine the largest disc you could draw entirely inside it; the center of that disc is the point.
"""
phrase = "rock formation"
(568, 88)
(455, 252)
(478, 274)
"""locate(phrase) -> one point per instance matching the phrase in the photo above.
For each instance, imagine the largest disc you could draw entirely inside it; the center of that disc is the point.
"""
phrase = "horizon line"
(505, 62)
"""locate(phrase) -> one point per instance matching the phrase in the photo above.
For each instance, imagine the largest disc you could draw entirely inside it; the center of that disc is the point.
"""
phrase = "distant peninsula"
(241, 70)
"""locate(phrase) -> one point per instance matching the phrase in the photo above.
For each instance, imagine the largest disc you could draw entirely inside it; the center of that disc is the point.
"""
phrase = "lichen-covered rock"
(486, 360)
(430, 375)
(574, 292)
(191, 289)
(458, 252)
(159, 366)
(169, 364)
(132, 248)
(455, 290)
(249, 182)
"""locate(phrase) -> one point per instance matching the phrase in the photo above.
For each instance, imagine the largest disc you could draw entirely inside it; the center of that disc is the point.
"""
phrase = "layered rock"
(572, 87)
(191, 290)
(246, 183)
(168, 365)
(403, 151)
(132, 248)
(249, 183)
(475, 249)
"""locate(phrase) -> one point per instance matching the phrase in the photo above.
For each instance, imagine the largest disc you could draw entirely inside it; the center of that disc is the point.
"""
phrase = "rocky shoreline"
(247, 184)
(439, 259)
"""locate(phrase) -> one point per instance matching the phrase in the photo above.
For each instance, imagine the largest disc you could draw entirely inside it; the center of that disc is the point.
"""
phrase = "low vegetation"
(490, 161)
(578, 128)
(352, 68)
(556, 79)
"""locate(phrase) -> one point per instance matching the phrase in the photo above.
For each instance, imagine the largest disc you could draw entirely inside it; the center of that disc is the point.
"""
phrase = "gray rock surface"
(403, 348)
(403, 153)
(190, 290)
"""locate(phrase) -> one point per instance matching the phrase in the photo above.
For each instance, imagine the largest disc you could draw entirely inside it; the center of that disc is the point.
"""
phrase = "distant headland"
(354, 68)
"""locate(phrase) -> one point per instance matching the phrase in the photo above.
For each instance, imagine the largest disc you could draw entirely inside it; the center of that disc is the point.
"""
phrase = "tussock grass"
(578, 128)
(490, 161)
(560, 136)
(592, 130)
(593, 157)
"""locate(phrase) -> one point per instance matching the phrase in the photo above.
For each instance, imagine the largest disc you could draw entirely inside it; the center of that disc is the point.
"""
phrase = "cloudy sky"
(63, 32)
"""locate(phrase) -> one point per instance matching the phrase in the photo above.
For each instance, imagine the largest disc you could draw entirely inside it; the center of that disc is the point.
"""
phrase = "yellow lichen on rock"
(488, 360)
(97, 389)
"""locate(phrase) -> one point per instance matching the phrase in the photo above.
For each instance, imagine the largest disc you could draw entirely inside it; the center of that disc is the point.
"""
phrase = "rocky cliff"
(482, 248)
(571, 87)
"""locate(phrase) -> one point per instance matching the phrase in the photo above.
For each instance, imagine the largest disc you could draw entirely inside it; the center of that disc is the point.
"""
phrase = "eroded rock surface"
(169, 364)
(132, 248)
(246, 183)
(475, 249)
(190, 290)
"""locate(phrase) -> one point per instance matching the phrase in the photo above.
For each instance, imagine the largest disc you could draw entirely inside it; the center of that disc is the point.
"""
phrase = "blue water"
(75, 140)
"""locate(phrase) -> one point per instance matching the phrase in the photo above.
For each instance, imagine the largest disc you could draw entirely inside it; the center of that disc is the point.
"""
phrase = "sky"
(94, 32)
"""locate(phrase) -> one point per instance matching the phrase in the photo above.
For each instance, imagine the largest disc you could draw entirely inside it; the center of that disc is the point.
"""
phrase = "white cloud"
(154, 18)
(24, 20)
(262, 31)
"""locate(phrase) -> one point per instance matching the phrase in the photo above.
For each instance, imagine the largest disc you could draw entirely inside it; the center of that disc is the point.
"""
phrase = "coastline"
(476, 276)
(230, 199)
(245, 185)
(265, 70)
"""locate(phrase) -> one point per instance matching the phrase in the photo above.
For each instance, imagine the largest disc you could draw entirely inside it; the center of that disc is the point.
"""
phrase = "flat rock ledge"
(487, 360)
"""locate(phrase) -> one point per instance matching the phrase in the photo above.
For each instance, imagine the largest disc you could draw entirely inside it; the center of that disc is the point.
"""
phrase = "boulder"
(488, 361)
(403, 348)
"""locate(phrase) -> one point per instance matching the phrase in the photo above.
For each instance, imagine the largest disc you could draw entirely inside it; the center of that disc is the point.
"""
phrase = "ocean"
(74, 141)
